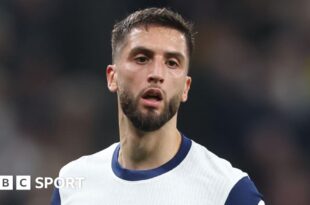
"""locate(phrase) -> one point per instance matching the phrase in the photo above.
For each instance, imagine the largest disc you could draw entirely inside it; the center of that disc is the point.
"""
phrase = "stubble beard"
(151, 120)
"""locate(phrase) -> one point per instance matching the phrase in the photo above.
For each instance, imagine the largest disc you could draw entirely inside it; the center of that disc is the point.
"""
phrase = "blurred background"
(249, 102)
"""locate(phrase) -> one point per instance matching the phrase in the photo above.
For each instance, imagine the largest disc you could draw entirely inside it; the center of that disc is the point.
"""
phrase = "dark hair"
(152, 16)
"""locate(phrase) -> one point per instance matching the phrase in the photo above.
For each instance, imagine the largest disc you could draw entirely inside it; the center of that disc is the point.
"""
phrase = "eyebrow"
(140, 49)
(149, 52)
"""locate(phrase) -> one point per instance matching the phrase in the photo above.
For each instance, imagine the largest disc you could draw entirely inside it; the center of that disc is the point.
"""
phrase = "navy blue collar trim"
(136, 175)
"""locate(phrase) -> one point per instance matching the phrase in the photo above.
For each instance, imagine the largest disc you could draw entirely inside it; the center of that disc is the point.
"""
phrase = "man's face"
(150, 75)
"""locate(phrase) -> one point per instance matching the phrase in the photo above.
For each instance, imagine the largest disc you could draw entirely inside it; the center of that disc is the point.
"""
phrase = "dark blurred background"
(249, 102)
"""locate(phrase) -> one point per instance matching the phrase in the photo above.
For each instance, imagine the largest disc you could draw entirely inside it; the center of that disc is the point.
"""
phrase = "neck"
(147, 150)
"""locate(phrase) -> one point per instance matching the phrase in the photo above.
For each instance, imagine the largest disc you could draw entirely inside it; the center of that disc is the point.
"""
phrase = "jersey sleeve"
(244, 193)
(55, 197)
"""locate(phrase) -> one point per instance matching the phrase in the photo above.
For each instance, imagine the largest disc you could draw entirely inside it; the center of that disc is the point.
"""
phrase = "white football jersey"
(194, 176)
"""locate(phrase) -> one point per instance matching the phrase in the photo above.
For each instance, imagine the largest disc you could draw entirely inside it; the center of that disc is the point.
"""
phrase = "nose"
(156, 74)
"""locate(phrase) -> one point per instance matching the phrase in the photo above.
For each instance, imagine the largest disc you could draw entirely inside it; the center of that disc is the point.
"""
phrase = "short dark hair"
(152, 16)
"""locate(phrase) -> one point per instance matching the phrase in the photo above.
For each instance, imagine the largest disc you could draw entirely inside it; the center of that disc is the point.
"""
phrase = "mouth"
(152, 94)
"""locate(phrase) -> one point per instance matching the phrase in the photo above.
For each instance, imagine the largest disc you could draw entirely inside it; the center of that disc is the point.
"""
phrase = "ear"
(112, 78)
(187, 86)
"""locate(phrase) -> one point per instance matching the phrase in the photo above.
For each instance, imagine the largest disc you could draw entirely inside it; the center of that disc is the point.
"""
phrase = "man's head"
(151, 16)
(151, 51)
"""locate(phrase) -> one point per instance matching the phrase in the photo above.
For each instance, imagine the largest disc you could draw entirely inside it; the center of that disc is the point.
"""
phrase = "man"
(153, 163)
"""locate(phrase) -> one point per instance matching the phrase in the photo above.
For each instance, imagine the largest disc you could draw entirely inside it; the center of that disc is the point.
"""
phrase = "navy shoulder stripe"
(56, 197)
(244, 193)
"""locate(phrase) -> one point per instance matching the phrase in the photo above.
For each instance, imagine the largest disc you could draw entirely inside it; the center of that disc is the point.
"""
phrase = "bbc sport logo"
(23, 182)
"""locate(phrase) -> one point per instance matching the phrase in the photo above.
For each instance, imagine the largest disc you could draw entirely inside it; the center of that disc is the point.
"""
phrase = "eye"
(141, 59)
(172, 64)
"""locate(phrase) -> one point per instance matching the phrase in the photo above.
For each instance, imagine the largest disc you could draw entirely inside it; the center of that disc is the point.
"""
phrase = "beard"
(151, 120)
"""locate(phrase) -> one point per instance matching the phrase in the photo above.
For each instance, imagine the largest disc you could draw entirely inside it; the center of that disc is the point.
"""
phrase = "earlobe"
(111, 78)
(187, 86)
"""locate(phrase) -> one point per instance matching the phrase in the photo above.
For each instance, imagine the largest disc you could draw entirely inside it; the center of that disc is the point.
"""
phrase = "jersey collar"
(137, 175)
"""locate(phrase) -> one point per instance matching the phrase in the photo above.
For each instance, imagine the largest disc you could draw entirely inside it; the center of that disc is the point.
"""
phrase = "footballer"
(153, 162)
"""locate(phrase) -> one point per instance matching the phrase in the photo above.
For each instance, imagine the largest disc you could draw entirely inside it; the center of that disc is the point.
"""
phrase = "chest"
(170, 191)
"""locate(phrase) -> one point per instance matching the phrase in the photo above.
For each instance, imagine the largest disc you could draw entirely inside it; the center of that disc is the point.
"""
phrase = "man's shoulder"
(244, 192)
(228, 181)
(214, 165)
(84, 163)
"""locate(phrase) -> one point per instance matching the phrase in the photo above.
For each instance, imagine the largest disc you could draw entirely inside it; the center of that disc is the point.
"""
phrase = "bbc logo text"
(23, 182)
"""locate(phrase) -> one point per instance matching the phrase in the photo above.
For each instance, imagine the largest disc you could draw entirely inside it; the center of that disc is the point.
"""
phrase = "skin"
(155, 56)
